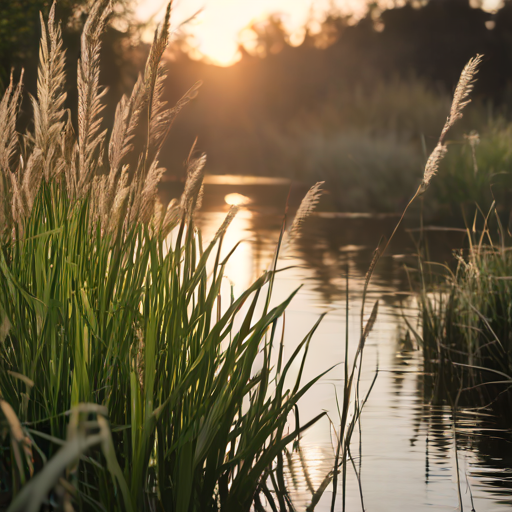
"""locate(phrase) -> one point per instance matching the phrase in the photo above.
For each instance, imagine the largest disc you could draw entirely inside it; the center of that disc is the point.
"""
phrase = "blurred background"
(346, 91)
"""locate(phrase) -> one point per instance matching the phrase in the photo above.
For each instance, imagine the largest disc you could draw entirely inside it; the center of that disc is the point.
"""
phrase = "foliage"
(107, 298)
(19, 30)
(352, 104)
(478, 172)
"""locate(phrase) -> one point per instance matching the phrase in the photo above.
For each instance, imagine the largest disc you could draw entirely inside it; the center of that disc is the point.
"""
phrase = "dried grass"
(86, 163)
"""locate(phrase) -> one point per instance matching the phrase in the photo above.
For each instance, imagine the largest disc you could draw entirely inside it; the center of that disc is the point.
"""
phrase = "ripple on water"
(408, 451)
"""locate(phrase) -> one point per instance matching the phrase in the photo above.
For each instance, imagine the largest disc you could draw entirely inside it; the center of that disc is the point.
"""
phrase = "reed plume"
(9, 187)
(233, 210)
(306, 207)
(9, 108)
(191, 197)
(432, 165)
(462, 92)
(170, 218)
(460, 100)
(48, 107)
(119, 196)
(126, 119)
(121, 307)
(44, 160)
(141, 193)
(90, 94)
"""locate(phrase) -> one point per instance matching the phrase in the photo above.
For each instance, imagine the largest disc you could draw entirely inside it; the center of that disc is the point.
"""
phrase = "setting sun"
(218, 25)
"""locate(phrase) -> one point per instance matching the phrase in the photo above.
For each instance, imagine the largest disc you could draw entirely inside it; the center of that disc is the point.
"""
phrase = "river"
(406, 455)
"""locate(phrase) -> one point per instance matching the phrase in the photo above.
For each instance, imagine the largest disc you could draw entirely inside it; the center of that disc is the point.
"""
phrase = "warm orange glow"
(219, 27)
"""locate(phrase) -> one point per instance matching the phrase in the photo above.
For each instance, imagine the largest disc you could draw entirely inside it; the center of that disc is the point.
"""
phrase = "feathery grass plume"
(48, 108)
(432, 165)
(9, 144)
(163, 119)
(9, 107)
(148, 91)
(113, 213)
(369, 326)
(369, 273)
(462, 91)
(226, 222)
(118, 212)
(170, 218)
(193, 185)
(19, 206)
(69, 158)
(460, 100)
(151, 73)
(149, 194)
(96, 192)
(307, 205)
(30, 174)
(160, 119)
(126, 119)
(199, 200)
(154, 76)
(96, 290)
(90, 139)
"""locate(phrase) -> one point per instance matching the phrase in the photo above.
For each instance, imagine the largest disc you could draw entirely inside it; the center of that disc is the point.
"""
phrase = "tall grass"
(349, 418)
(467, 319)
(138, 327)
(126, 381)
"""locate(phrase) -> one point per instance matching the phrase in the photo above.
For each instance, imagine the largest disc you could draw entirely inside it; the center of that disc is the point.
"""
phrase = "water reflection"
(407, 458)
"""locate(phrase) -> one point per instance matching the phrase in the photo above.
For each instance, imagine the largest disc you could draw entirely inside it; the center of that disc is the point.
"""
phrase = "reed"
(125, 382)
(467, 321)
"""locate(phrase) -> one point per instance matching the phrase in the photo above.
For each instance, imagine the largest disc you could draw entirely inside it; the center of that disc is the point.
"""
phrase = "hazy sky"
(218, 27)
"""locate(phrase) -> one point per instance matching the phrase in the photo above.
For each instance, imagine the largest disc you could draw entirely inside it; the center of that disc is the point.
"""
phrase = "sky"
(220, 24)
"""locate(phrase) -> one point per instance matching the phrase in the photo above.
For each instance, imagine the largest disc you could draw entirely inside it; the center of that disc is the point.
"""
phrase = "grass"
(467, 319)
(138, 327)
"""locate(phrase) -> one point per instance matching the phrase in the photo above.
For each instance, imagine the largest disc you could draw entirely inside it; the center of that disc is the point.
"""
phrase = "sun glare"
(219, 25)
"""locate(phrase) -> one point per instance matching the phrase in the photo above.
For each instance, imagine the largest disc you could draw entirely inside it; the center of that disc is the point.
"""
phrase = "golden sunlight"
(218, 27)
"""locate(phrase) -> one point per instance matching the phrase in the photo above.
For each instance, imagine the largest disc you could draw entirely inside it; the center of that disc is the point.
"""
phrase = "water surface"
(407, 453)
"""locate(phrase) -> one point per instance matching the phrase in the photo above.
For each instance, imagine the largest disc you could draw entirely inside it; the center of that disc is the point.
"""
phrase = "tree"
(20, 29)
